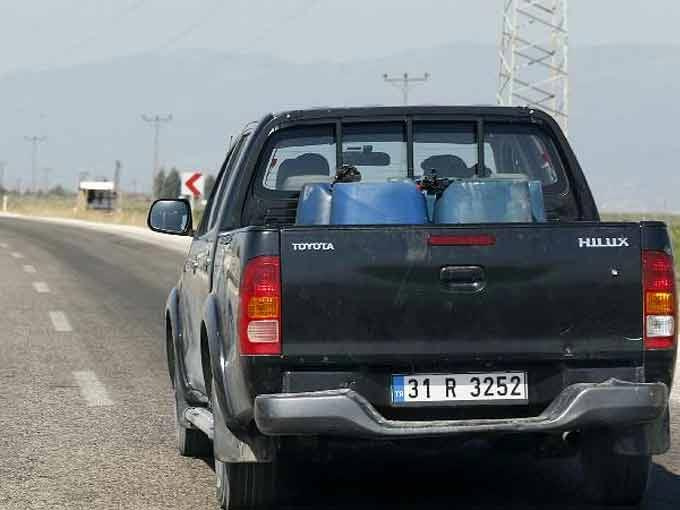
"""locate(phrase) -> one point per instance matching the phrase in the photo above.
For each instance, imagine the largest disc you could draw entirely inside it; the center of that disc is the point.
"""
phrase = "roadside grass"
(133, 212)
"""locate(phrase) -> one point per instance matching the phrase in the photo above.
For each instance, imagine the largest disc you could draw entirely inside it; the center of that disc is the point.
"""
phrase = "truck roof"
(370, 111)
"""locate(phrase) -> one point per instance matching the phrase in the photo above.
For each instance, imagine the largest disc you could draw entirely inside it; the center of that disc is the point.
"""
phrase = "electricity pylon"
(533, 57)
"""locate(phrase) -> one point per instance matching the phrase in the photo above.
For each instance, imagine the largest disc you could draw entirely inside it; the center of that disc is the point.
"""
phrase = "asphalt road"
(85, 402)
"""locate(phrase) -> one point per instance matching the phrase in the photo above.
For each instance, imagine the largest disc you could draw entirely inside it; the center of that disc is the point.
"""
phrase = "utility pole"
(82, 175)
(404, 82)
(533, 57)
(46, 177)
(35, 141)
(3, 164)
(116, 184)
(156, 120)
(3, 190)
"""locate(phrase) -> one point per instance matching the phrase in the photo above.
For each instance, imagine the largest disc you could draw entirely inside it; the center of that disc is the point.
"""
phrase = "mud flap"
(247, 447)
(652, 438)
(229, 448)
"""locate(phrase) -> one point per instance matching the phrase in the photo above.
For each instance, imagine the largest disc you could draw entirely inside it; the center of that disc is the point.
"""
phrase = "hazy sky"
(38, 34)
(86, 132)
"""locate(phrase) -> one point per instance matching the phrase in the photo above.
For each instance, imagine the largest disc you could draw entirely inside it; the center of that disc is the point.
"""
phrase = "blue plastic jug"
(359, 203)
(314, 205)
(485, 201)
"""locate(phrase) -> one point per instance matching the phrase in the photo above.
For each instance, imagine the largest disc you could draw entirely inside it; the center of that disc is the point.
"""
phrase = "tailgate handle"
(467, 279)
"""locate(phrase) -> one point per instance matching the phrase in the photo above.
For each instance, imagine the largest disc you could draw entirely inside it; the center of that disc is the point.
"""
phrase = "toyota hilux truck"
(419, 276)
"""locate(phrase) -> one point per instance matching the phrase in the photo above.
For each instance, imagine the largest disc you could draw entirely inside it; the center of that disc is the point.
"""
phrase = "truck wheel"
(245, 485)
(611, 478)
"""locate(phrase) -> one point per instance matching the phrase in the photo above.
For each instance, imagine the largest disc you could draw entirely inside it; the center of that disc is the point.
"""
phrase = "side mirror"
(170, 217)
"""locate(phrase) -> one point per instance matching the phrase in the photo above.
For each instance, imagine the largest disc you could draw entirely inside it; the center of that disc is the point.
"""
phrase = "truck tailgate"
(548, 291)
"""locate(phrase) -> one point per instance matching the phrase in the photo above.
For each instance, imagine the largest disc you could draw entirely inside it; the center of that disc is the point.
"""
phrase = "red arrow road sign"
(189, 183)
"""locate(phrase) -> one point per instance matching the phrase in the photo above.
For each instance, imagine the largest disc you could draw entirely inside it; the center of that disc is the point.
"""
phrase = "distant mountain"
(623, 109)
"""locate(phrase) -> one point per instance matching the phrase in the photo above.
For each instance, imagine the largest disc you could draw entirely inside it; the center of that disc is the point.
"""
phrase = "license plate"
(452, 388)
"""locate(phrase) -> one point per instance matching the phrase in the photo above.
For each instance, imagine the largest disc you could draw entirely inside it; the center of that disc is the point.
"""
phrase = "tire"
(245, 485)
(611, 478)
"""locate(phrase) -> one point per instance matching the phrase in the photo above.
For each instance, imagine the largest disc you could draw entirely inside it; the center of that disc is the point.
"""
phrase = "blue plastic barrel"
(359, 203)
(485, 201)
(537, 204)
(314, 205)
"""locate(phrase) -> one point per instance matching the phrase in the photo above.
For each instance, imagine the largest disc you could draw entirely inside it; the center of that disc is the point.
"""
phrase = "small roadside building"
(97, 195)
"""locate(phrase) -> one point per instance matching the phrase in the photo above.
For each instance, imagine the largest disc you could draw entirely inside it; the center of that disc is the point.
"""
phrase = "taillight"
(660, 309)
(260, 307)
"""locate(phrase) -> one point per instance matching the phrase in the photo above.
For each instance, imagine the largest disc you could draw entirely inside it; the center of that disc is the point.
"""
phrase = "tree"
(172, 184)
(58, 190)
(158, 183)
(208, 185)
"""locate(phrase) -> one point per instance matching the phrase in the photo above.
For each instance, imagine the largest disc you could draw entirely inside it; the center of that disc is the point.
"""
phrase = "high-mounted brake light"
(260, 308)
(660, 308)
(462, 240)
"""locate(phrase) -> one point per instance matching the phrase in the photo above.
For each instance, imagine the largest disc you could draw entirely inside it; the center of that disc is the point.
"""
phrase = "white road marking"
(17, 255)
(92, 390)
(60, 322)
(3, 245)
(29, 268)
(41, 287)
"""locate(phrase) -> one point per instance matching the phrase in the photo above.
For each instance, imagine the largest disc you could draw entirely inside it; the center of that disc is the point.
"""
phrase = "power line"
(302, 12)
(156, 121)
(191, 28)
(295, 16)
(405, 82)
(114, 20)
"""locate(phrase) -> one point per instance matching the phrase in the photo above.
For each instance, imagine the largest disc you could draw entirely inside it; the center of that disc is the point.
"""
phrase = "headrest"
(305, 164)
(447, 165)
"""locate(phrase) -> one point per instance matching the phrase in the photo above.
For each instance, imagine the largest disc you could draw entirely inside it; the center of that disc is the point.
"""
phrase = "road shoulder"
(176, 243)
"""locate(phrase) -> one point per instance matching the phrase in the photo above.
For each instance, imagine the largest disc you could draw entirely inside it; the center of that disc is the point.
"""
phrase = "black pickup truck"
(416, 275)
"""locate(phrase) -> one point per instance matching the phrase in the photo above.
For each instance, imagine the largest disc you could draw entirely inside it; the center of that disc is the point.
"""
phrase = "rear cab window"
(511, 151)
(302, 156)
(393, 151)
(298, 156)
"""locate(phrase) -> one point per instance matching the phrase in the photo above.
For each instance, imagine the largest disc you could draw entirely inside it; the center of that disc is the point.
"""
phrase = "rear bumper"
(346, 413)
